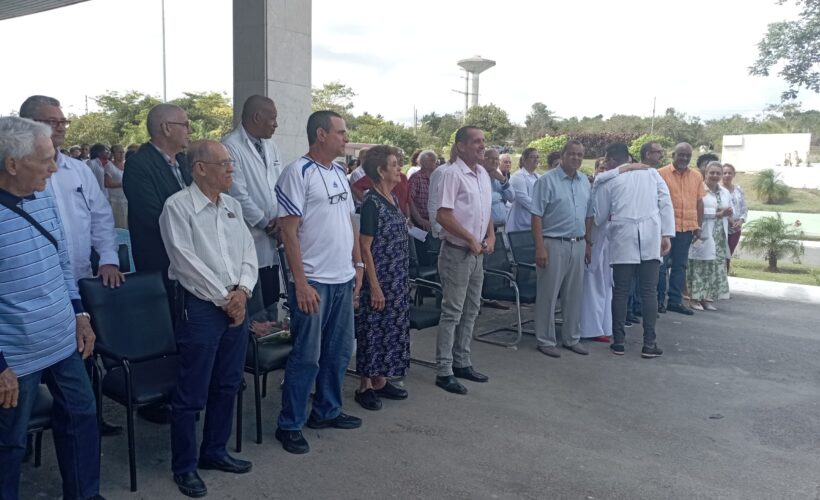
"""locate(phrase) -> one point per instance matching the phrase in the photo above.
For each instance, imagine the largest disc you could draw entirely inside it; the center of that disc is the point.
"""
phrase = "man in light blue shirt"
(560, 213)
(502, 194)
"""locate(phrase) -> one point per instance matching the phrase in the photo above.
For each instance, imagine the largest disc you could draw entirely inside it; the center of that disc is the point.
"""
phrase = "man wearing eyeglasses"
(213, 258)
(258, 167)
(316, 217)
(152, 174)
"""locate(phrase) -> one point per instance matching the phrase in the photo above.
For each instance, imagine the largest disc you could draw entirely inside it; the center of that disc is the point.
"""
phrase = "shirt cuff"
(248, 282)
(3, 364)
(109, 258)
(261, 223)
(77, 304)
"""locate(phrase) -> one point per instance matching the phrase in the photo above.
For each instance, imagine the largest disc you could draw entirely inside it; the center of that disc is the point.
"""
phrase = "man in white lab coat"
(257, 166)
(641, 224)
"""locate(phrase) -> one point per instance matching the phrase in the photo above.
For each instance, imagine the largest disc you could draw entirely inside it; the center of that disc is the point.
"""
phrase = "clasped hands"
(236, 307)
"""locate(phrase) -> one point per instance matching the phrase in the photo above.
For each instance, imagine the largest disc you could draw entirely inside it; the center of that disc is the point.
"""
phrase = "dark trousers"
(74, 425)
(675, 264)
(211, 361)
(622, 275)
(269, 284)
(634, 306)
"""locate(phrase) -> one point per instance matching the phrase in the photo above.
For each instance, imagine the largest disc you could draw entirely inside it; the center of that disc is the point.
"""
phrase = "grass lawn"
(788, 272)
(800, 200)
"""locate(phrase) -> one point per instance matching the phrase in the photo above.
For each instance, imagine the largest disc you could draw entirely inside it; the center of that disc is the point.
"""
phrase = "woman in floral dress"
(383, 323)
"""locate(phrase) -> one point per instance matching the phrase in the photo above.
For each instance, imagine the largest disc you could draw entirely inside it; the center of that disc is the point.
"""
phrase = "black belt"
(562, 238)
(453, 245)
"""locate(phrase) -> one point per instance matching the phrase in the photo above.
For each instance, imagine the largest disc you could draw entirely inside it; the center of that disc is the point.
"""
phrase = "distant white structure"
(755, 152)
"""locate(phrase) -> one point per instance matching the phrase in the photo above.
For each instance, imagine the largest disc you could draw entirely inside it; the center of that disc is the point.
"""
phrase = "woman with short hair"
(739, 209)
(383, 321)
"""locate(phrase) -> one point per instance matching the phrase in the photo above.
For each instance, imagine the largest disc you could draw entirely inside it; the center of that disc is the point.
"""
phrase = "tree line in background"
(121, 118)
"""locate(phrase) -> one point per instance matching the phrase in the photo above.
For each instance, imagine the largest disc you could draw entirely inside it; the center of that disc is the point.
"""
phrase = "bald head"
(211, 166)
(163, 113)
(259, 116)
(682, 155)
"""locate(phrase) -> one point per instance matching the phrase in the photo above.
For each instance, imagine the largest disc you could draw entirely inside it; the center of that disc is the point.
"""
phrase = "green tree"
(210, 113)
(90, 128)
(773, 239)
(126, 111)
(539, 122)
(376, 130)
(334, 96)
(493, 120)
(440, 127)
(794, 47)
(770, 187)
(548, 144)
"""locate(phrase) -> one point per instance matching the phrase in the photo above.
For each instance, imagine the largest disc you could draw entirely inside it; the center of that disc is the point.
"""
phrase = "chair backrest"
(132, 320)
(122, 255)
(498, 259)
(522, 246)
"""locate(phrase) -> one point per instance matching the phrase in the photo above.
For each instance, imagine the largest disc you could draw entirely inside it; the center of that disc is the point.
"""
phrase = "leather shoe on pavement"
(450, 384)
(368, 400)
(468, 373)
(226, 464)
(680, 308)
(107, 429)
(577, 349)
(342, 421)
(190, 484)
(549, 350)
(292, 441)
(391, 391)
(661, 308)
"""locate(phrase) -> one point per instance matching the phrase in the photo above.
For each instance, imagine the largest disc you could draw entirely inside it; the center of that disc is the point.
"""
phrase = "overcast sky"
(581, 57)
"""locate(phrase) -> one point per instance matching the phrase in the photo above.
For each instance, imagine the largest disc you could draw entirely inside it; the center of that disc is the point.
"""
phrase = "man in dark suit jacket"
(155, 172)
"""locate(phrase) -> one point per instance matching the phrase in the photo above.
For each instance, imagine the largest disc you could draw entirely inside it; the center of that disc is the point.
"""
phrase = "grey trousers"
(565, 274)
(647, 274)
(462, 275)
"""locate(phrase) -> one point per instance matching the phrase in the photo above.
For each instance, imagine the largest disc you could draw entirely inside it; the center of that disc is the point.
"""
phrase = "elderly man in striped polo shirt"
(44, 332)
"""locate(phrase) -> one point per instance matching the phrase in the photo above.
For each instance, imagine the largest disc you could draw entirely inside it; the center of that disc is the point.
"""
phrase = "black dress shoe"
(469, 374)
(680, 308)
(368, 400)
(390, 391)
(190, 484)
(292, 441)
(107, 429)
(450, 384)
(342, 421)
(156, 413)
(226, 464)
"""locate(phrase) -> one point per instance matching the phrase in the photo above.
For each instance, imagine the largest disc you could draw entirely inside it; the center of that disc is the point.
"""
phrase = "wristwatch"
(359, 264)
(248, 293)
(84, 314)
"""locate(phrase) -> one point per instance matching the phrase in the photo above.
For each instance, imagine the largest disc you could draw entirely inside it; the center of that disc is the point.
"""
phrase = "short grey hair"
(33, 103)
(713, 164)
(427, 152)
(17, 137)
(158, 115)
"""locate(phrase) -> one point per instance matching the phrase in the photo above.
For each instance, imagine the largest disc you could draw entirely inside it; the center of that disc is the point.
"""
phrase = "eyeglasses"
(54, 123)
(223, 164)
(656, 151)
(183, 124)
(334, 198)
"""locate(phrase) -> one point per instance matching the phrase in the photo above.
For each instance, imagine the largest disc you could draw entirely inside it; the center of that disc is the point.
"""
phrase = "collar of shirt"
(565, 176)
(200, 200)
(168, 159)
(254, 140)
(466, 169)
(14, 199)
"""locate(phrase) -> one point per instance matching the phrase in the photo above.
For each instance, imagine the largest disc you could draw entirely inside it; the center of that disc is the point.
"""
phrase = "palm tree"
(769, 187)
(774, 239)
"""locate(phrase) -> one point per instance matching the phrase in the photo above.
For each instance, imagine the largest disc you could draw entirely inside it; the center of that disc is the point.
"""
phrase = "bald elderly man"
(213, 257)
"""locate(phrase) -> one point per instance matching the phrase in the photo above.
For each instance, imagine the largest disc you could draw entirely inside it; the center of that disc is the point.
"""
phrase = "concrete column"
(272, 57)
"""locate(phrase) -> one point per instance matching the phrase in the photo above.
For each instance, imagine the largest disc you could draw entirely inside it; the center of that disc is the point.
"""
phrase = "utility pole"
(652, 125)
(164, 81)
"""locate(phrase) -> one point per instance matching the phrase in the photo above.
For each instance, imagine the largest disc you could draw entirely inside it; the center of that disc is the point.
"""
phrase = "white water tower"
(474, 66)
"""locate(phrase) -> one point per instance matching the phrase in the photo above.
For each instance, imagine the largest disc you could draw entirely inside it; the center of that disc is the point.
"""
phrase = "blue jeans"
(211, 362)
(322, 346)
(675, 264)
(74, 425)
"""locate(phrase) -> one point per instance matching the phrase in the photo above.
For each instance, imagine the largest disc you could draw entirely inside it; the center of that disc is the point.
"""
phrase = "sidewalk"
(774, 290)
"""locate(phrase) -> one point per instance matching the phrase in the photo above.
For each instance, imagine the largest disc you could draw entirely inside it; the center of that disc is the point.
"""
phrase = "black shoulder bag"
(22, 213)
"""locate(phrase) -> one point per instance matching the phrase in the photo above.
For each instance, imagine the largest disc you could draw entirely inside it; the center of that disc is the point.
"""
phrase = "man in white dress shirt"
(522, 181)
(641, 224)
(84, 212)
(213, 259)
(257, 166)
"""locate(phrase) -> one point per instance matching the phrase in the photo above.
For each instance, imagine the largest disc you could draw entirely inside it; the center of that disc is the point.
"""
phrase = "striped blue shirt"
(37, 323)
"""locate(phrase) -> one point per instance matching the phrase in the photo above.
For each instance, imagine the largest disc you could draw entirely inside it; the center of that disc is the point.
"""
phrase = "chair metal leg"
(132, 454)
(265, 385)
(38, 448)
(516, 327)
(257, 398)
(239, 417)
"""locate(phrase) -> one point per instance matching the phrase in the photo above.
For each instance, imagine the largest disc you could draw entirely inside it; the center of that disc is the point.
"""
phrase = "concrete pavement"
(730, 411)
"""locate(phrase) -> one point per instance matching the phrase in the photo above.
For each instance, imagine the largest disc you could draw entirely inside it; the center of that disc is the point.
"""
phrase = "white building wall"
(755, 152)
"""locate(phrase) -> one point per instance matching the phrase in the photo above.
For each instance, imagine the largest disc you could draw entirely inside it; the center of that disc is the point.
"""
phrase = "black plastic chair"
(500, 283)
(425, 315)
(265, 355)
(135, 343)
(122, 254)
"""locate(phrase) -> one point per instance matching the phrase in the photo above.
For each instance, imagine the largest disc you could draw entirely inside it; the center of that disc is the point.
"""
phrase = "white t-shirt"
(305, 189)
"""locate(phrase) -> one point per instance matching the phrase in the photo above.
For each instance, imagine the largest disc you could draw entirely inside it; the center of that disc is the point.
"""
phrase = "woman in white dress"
(596, 322)
(113, 182)
(98, 158)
